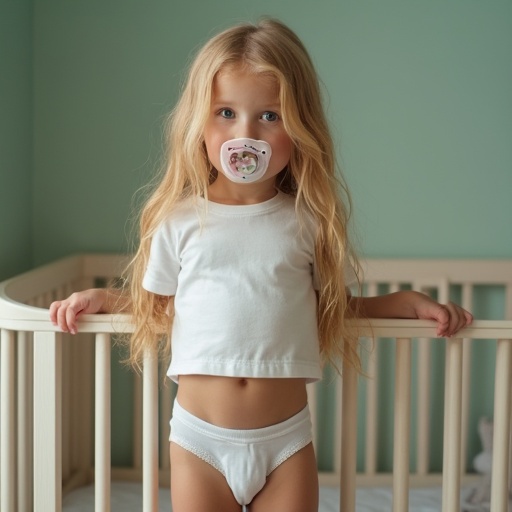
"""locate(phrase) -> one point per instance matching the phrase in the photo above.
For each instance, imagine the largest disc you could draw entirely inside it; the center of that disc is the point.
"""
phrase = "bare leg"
(291, 487)
(196, 485)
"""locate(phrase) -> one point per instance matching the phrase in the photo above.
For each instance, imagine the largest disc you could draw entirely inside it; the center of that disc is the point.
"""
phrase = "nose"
(246, 128)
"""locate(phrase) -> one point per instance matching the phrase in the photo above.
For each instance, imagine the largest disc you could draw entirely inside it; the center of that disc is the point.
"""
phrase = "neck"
(224, 191)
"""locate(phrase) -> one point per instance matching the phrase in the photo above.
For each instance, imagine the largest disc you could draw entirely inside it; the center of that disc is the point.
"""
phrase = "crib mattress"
(127, 497)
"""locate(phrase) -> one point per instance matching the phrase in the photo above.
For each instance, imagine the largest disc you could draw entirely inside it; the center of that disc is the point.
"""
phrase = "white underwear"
(244, 457)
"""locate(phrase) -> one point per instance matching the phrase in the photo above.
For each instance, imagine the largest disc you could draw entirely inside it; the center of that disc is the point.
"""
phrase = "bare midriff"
(241, 403)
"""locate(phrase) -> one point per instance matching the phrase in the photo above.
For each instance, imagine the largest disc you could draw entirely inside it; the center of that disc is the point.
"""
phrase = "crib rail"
(44, 373)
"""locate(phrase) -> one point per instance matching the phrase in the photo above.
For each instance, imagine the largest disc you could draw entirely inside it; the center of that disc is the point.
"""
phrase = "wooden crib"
(56, 392)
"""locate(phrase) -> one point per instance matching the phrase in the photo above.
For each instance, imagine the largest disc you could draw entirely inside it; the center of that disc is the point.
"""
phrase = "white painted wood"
(150, 433)
(392, 328)
(37, 287)
(47, 417)
(501, 438)
(7, 424)
(102, 423)
(348, 441)
(394, 287)
(137, 420)
(508, 301)
(24, 430)
(67, 370)
(452, 423)
(372, 397)
(423, 405)
(402, 412)
(338, 420)
(467, 303)
(458, 270)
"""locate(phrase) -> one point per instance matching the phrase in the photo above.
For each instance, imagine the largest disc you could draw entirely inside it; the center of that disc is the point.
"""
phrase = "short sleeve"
(161, 275)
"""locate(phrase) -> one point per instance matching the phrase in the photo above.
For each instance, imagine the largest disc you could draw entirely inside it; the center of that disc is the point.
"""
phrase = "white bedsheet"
(127, 497)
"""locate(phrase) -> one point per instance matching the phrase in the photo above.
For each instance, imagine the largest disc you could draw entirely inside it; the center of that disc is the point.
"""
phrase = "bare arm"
(450, 317)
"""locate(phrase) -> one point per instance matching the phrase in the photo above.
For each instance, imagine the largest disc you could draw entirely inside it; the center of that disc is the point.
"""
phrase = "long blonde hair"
(311, 177)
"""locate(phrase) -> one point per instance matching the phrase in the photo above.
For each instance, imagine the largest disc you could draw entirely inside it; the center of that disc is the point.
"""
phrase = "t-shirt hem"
(247, 369)
(154, 286)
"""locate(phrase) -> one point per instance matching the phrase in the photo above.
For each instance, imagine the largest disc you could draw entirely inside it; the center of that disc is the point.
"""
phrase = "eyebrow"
(222, 102)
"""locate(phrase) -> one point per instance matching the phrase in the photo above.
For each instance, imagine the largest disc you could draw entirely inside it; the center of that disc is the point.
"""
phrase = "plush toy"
(479, 496)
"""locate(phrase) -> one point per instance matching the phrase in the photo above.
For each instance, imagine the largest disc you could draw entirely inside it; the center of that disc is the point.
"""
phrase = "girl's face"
(246, 104)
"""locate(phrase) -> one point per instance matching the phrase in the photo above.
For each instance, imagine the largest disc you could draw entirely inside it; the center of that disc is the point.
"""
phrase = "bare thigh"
(196, 485)
(292, 486)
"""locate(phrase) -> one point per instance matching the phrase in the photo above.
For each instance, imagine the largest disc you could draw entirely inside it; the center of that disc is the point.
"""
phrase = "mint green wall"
(422, 95)
(418, 94)
(15, 137)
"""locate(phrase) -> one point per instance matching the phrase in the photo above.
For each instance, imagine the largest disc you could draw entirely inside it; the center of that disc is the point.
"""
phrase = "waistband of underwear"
(250, 435)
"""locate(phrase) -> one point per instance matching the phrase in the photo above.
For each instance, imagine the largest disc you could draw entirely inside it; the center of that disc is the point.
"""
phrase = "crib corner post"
(47, 421)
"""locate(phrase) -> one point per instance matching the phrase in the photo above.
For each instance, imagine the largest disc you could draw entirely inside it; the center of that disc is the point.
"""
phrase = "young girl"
(244, 250)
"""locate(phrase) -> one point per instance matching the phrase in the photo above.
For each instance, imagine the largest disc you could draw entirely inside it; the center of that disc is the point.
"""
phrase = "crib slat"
(467, 303)
(47, 417)
(150, 432)
(7, 426)
(348, 441)
(502, 407)
(372, 397)
(338, 420)
(510, 442)
(402, 425)
(137, 421)
(394, 287)
(423, 441)
(25, 484)
(452, 424)
(508, 301)
(102, 423)
(67, 370)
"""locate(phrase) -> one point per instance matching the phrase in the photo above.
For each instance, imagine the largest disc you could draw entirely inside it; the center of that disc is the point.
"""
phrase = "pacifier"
(245, 160)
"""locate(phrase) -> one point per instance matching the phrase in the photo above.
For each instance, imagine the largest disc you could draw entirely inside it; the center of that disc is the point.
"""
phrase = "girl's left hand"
(450, 317)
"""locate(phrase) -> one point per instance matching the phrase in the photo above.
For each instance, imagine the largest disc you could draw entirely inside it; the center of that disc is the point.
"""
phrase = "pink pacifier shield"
(245, 160)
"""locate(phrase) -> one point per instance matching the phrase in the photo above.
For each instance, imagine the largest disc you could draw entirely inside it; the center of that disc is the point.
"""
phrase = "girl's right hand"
(64, 313)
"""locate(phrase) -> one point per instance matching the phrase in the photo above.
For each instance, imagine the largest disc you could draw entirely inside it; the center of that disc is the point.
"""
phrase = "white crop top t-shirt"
(242, 277)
